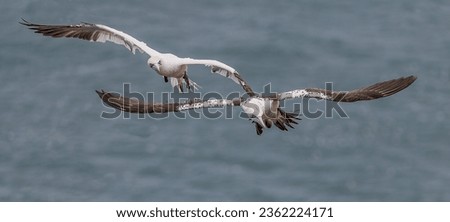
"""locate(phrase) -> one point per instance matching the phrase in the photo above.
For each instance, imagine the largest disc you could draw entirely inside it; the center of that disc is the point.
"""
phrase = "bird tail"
(283, 120)
(286, 119)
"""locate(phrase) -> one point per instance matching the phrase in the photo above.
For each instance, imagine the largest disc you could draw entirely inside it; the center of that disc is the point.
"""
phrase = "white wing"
(93, 33)
(221, 69)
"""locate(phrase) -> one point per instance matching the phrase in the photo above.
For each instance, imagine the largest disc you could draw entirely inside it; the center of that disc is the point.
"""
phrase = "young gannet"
(263, 111)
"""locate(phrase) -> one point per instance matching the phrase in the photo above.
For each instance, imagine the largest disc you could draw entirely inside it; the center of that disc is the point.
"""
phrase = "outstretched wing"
(136, 106)
(375, 91)
(221, 69)
(93, 33)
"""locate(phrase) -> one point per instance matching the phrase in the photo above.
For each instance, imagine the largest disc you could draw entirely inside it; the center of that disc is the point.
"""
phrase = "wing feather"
(223, 70)
(136, 106)
(375, 91)
(93, 33)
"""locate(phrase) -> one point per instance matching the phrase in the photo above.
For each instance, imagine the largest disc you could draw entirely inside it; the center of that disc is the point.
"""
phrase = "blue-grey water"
(54, 146)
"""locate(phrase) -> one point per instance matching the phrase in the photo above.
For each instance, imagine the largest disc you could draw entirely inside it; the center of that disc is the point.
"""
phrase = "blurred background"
(54, 146)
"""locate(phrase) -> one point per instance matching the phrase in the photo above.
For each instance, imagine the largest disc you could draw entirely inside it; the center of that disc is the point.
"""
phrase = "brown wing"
(375, 91)
(247, 88)
(134, 105)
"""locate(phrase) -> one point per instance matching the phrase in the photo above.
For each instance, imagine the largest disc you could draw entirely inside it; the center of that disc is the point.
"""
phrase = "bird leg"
(186, 79)
(180, 84)
(166, 79)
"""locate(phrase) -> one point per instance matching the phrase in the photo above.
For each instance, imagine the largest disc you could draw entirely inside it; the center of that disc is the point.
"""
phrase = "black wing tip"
(25, 22)
(411, 78)
(36, 26)
(406, 79)
(100, 93)
(105, 96)
(375, 91)
(397, 85)
(112, 100)
(30, 25)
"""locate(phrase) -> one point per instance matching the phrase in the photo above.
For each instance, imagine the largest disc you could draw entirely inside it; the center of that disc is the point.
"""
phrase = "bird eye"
(159, 62)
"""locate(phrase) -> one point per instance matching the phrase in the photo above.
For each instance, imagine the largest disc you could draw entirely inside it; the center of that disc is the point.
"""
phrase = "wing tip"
(105, 96)
(100, 93)
(25, 22)
(402, 83)
(379, 90)
(411, 78)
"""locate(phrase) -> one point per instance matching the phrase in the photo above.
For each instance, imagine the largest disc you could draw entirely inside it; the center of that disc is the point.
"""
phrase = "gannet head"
(155, 63)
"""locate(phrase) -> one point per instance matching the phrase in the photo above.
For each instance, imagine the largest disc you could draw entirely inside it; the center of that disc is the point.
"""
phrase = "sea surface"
(55, 145)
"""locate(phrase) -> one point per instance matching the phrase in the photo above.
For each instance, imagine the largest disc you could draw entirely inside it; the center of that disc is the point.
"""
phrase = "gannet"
(167, 65)
(263, 111)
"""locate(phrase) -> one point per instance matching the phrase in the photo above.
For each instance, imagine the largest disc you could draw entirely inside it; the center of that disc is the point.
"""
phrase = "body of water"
(54, 146)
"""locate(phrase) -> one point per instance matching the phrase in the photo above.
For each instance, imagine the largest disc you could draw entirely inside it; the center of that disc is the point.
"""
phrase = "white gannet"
(168, 65)
(263, 111)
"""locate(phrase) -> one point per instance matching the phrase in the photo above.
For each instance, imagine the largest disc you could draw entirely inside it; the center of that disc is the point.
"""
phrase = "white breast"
(171, 66)
(254, 106)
